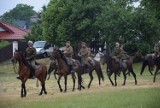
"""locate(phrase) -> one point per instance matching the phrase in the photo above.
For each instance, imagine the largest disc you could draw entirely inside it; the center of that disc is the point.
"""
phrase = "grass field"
(144, 95)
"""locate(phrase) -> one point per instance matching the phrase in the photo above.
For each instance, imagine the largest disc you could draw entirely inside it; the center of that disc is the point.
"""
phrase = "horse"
(24, 72)
(96, 67)
(114, 67)
(64, 70)
(157, 64)
(148, 61)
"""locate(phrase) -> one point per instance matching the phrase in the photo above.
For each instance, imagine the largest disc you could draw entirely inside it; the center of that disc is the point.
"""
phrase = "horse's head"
(57, 53)
(138, 54)
(16, 56)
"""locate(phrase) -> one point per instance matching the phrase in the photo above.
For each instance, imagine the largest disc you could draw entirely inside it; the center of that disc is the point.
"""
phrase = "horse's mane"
(24, 60)
(62, 56)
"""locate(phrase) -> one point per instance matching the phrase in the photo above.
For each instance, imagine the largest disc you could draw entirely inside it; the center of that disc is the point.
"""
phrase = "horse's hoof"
(123, 84)
(40, 94)
(61, 90)
(21, 96)
(136, 83)
(72, 89)
(45, 92)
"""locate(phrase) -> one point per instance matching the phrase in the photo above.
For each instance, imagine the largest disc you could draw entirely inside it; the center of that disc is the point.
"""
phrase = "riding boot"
(86, 68)
(71, 69)
(32, 72)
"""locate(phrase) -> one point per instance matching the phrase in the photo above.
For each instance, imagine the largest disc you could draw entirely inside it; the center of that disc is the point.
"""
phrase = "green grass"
(144, 95)
(141, 98)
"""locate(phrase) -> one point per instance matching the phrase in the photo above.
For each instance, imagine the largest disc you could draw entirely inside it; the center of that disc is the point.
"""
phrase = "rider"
(157, 49)
(84, 54)
(68, 52)
(120, 54)
(30, 57)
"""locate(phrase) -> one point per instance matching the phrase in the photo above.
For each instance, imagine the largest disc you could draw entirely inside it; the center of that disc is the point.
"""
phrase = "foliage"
(108, 20)
(20, 12)
(3, 44)
(71, 20)
(36, 33)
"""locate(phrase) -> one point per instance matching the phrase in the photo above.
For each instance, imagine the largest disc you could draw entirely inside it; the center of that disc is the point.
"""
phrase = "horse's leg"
(73, 78)
(99, 78)
(42, 85)
(134, 75)
(55, 72)
(154, 80)
(149, 68)
(58, 81)
(22, 89)
(79, 83)
(45, 92)
(109, 76)
(143, 67)
(48, 76)
(91, 78)
(115, 78)
(124, 77)
(25, 92)
(65, 83)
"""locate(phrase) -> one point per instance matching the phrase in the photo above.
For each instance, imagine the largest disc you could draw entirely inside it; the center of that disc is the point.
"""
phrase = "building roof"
(10, 32)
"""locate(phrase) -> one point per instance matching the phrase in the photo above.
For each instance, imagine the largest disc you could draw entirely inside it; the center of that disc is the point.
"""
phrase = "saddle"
(91, 61)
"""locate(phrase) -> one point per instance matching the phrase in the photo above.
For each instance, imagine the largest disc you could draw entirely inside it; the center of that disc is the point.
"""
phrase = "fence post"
(15, 46)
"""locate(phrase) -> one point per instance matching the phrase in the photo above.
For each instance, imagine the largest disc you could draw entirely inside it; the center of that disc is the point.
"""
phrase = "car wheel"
(45, 55)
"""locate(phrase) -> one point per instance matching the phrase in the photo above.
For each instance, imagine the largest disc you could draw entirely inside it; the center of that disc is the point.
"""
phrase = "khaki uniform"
(30, 55)
(157, 49)
(68, 52)
(120, 53)
(84, 52)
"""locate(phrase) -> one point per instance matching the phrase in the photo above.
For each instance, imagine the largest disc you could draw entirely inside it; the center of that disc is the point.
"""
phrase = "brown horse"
(157, 64)
(81, 69)
(114, 67)
(64, 70)
(24, 72)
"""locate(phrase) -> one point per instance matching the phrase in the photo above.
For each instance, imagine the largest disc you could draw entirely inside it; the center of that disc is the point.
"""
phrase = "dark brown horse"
(114, 67)
(148, 61)
(24, 72)
(64, 70)
(157, 64)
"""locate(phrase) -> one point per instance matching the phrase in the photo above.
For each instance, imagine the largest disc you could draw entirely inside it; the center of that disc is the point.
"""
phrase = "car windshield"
(39, 44)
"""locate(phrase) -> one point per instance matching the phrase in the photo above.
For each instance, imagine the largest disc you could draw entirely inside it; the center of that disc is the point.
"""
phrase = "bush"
(3, 44)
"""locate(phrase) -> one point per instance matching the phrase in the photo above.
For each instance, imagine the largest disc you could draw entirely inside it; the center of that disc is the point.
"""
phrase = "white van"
(43, 48)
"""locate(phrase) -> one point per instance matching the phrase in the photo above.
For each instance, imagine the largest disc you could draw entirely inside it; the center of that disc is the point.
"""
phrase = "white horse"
(98, 56)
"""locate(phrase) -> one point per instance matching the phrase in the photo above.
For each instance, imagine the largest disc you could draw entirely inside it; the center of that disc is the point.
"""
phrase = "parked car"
(62, 48)
(43, 48)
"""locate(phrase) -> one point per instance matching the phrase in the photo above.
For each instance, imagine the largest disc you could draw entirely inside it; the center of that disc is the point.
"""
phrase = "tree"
(72, 19)
(20, 12)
